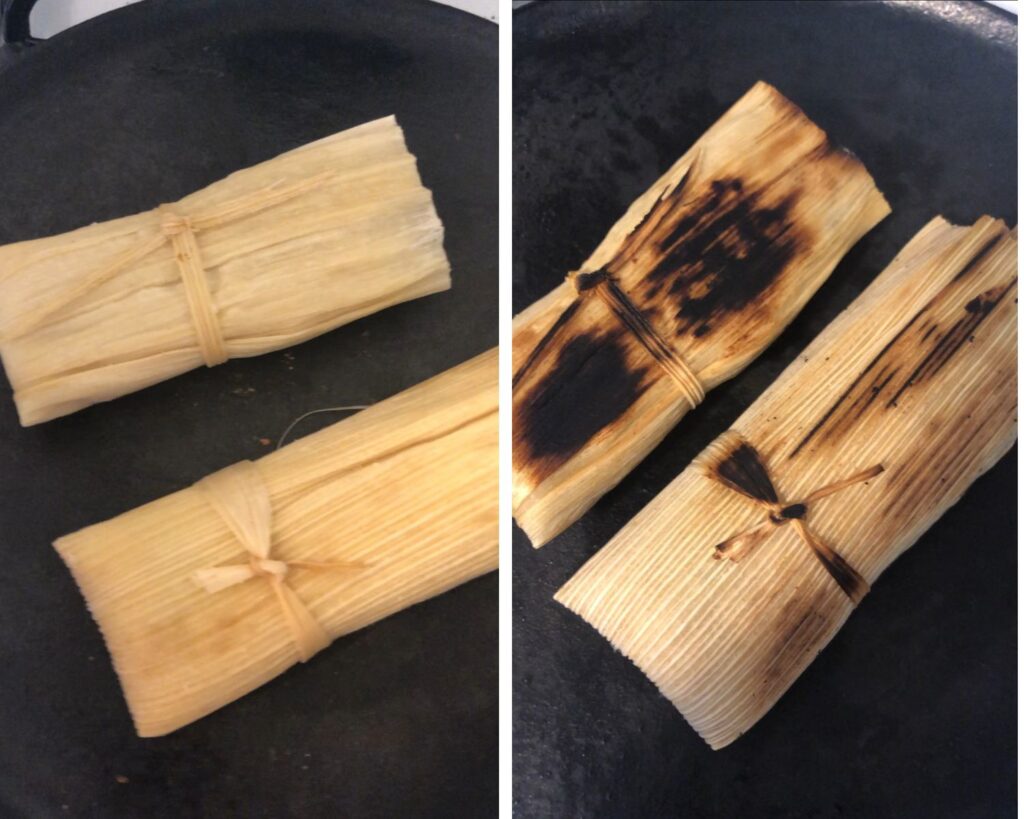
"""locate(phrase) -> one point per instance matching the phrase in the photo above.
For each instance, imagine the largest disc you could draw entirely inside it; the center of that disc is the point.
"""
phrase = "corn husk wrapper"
(910, 393)
(401, 499)
(278, 253)
(702, 272)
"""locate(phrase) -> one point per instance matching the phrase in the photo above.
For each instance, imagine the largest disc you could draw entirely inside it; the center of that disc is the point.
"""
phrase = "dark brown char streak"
(742, 470)
(914, 356)
(563, 319)
(969, 435)
(716, 249)
(589, 387)
(796, 633)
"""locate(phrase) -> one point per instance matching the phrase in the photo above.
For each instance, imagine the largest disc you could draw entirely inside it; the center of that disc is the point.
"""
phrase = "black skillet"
(139, 107)
(910, 711)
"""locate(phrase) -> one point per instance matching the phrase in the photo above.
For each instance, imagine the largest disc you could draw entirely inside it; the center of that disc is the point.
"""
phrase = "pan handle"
(15, 35)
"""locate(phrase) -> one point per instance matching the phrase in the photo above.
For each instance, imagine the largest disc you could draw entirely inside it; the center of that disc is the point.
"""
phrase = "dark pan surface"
(910, 711)
(140, 107)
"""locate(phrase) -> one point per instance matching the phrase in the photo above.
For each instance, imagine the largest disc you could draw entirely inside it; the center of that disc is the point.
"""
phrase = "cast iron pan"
(142, 106)
(910, 711)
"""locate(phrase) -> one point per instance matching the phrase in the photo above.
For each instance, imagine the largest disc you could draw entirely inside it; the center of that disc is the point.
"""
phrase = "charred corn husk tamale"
(726, 586)
(210, 592)
(692, 283)
(263, 259)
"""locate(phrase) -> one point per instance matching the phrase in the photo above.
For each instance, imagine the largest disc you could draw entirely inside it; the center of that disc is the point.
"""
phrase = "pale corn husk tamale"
(269, 256)
(726, 586)
(400, 500)
(692, 283)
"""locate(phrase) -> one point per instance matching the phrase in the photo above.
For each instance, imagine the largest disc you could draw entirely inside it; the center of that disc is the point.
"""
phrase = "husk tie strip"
(736, 464)
(180, 231)
(240, 497)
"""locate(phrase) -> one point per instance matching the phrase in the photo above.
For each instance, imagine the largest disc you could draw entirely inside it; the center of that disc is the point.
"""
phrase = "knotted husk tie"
(240, 497)
(180, 231)
(603, 285)
(735, 463)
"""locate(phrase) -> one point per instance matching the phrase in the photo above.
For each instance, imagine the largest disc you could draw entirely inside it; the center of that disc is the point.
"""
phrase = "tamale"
(703, 271)
(268, 257)
(726, 586)
(210, 592)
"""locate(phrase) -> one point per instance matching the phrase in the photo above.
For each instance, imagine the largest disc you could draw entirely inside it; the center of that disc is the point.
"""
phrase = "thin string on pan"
(305, 415)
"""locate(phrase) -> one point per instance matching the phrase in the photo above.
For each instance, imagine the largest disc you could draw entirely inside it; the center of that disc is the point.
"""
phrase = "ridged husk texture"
(702, 272)
(288, 249)
(726, 586)
(405, 491)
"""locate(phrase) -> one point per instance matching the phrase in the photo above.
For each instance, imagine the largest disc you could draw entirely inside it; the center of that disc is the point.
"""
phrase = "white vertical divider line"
(505, 403)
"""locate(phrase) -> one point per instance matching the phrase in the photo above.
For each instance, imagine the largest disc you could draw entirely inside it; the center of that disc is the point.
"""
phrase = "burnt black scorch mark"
(911, 358)
(715, 251)
(741, 469)
(590, 385)
(603, 284)
(562, 320)
(795, 511)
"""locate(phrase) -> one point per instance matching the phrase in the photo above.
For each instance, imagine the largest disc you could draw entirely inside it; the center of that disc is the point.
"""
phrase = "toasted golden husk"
(917, 376)
(718, 255)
